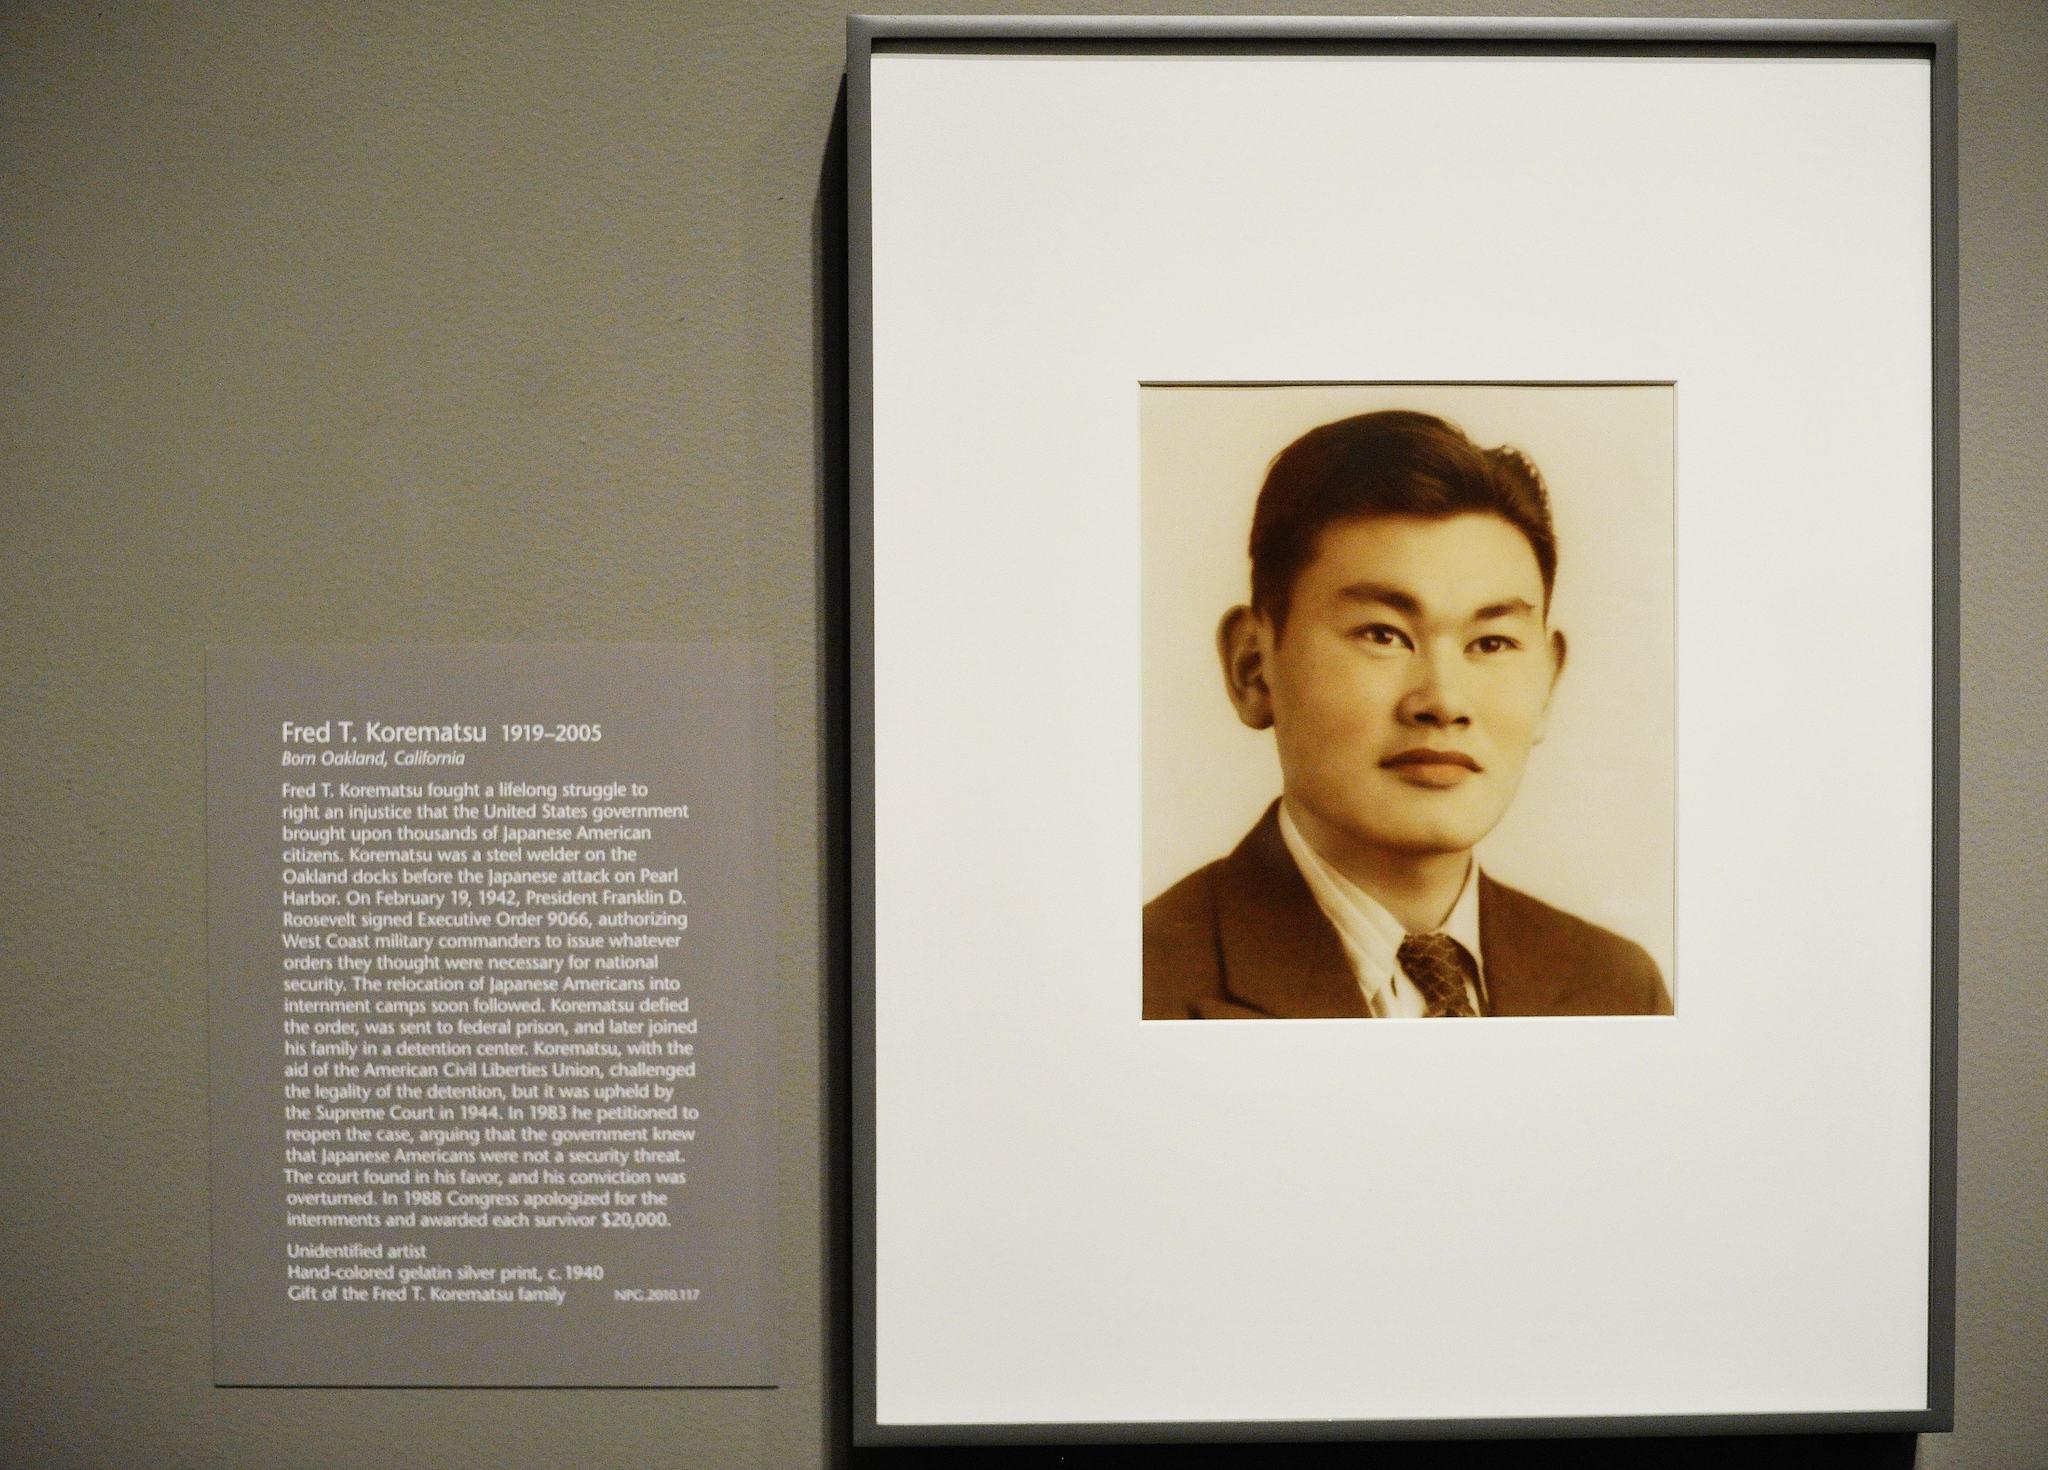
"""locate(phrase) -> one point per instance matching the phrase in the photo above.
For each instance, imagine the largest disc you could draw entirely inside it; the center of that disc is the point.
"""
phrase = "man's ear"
(1557, 656)
(1243, 653)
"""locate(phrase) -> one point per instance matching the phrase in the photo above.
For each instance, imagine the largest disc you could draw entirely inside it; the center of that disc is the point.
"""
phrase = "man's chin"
(1426, 835)
(1412, 844)
(1430, 845)
(1401, 823)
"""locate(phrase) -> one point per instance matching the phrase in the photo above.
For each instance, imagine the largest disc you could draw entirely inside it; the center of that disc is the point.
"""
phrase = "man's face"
(1409, 683)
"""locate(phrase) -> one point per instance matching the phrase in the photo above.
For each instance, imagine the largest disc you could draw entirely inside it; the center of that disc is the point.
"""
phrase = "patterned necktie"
(1440, 967)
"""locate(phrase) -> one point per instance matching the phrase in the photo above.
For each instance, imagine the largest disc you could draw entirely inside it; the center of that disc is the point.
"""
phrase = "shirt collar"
(1371, 935)
(1463, 922)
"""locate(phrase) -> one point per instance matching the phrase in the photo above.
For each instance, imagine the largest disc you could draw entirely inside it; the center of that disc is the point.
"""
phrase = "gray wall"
(505, 322)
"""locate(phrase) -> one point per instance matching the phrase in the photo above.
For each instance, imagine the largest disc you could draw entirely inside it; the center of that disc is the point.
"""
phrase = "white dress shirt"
(1372, 937)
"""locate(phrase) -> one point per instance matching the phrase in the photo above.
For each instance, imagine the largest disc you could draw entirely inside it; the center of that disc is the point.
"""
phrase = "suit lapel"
(1280, 955)
(1521, 979)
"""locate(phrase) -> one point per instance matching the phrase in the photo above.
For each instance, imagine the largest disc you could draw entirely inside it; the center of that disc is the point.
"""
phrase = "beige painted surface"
(503, 322)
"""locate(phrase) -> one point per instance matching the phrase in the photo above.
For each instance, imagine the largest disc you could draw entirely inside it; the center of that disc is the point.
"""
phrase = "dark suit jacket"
(1243, 938)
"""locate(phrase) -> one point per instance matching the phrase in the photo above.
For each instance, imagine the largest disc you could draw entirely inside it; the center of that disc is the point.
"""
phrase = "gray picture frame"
(1931, 40)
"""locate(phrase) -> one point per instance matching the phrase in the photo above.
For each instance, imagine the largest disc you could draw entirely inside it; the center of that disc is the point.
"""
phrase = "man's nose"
(1436, 697)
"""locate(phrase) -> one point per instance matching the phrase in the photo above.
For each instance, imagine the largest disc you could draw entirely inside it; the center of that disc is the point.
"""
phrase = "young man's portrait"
(1397, 652)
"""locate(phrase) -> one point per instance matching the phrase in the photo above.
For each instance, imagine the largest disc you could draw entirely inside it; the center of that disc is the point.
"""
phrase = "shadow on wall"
(835, 908)
(1717, 1452)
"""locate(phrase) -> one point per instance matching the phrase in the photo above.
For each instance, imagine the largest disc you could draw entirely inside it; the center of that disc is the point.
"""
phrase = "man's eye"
(1380, 635)
(1494, 643)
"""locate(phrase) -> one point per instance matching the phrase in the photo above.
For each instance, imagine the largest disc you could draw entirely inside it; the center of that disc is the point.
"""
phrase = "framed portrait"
(1366, 524)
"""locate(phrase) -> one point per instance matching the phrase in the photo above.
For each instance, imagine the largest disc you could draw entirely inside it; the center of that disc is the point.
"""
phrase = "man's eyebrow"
(1513, 607)
(1386, 596)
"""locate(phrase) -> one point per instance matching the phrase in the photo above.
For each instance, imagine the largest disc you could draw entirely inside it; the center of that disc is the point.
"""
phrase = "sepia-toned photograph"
(1408, 704)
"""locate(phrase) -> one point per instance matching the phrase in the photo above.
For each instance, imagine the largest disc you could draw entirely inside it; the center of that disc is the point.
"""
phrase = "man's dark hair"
(1392, 463)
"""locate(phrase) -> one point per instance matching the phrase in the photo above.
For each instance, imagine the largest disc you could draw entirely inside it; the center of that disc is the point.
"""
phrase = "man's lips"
(1439, 769)
(1423, 756)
